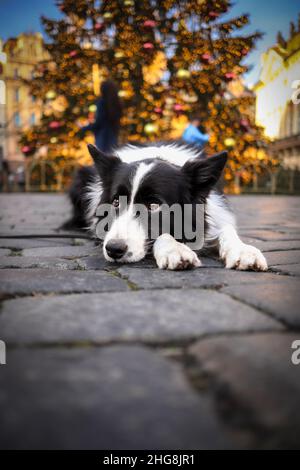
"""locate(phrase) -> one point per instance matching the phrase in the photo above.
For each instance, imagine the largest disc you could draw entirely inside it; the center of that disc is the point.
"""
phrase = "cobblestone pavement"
(131, 357)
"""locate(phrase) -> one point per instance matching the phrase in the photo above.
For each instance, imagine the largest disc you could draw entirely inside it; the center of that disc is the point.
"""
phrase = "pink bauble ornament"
(54, 124)
(206, 57)
(244, 124)
(178, 107)
(149, 23)
(148, 45)
(213, 14)
(98, 26)
(230, 76)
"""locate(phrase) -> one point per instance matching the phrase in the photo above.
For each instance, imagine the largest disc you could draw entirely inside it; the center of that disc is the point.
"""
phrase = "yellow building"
(21, 109)
(276, 110)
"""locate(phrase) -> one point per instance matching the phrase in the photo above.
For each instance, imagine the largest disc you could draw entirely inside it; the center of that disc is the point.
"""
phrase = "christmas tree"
(169, 58)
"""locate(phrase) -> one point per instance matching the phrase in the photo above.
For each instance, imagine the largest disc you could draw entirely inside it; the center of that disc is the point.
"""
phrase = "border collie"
(151, 176)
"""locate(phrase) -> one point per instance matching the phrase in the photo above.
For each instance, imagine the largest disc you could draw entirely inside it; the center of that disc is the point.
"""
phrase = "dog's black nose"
(116, 248)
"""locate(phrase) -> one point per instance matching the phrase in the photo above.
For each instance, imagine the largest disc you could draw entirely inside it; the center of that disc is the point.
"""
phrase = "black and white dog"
(152, 176)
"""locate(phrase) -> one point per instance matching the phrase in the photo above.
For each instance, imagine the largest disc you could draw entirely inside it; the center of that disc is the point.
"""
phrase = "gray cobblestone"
(254, 376)
(23, 282)
(134, 316)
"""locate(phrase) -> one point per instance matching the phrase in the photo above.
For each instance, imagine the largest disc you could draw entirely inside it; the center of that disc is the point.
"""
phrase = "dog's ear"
(204, 174)
(105, 164)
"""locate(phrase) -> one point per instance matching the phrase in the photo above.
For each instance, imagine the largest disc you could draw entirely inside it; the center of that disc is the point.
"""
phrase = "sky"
(268, 16)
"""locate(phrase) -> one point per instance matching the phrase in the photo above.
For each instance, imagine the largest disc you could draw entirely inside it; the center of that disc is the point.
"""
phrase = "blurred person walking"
(194, 133)
(107, 120)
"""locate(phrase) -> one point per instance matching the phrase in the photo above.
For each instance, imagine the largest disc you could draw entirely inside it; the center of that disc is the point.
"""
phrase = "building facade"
(276, 108)
(21, 109)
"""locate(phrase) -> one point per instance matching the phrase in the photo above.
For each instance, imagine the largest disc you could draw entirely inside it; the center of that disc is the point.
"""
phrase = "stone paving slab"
(281, 257)
(279, 299)
(5, 252)
(37, 262)
(95, 262)
(27, 243)
(22, 282)
(197, 278)
(253, 376)
(269, 246)
(152, 317)
(257, 211)
(98, 262)
(116, 398)
(269, 235)
(289, 269)
(62, 251)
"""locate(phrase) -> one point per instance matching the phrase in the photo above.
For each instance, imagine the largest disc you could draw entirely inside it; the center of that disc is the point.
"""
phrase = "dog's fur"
(154, 175)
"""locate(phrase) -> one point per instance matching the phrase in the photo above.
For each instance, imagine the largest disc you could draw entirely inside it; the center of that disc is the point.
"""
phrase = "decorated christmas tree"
(170, 58)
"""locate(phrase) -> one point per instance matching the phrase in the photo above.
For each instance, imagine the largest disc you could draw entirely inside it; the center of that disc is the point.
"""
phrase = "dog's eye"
(153, 206)
(115, 202)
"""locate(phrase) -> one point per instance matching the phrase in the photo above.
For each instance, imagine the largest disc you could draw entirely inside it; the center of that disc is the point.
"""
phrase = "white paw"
(245, 257)
(170, 254)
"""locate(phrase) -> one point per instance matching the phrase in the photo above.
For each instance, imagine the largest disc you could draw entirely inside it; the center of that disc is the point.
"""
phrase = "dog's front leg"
(170, 254)
(239, 255)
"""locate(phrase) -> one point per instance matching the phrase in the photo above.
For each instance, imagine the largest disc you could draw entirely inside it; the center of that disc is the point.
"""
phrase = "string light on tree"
(50, 95)
(150, 128)
(183, 73)
(93, 108)
(229, 142)
(119, 54)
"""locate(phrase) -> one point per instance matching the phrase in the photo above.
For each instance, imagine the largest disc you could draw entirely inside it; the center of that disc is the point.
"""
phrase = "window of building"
(32, 119)
(16, 73)
(33, 98)
(32, 50)
(2, 92)
(17, 95)
(17, 119)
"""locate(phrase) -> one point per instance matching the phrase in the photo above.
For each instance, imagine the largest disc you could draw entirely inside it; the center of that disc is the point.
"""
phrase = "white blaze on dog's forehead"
(139, 175)
(126, 226)
(172, 153)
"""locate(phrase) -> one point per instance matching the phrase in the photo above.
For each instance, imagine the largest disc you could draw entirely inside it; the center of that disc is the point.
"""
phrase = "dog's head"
(149, 185)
